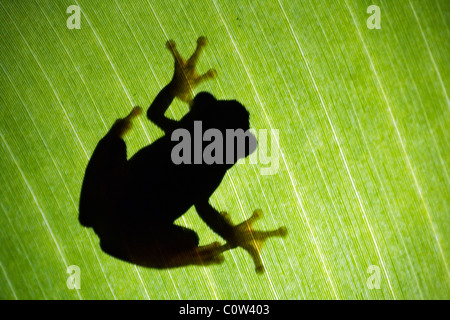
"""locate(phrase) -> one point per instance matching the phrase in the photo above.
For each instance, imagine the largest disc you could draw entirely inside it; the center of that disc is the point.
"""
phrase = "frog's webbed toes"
(253, 240)
(186, 77)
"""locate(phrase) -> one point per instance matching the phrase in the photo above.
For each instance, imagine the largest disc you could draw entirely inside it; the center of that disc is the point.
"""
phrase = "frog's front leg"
(184, 80)
(185, 77)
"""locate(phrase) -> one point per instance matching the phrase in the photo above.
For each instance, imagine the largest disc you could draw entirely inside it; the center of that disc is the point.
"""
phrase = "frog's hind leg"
(170, 247)
(105, 177)
(202, 255)
(187, 251)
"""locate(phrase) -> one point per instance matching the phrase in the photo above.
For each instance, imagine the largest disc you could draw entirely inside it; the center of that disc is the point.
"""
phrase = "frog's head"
(231, 118)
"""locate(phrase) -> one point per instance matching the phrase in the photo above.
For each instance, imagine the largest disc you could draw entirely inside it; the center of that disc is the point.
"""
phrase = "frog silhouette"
(132, 204)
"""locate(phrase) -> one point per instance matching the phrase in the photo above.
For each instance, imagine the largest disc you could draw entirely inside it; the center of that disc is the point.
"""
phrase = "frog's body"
(132, 204)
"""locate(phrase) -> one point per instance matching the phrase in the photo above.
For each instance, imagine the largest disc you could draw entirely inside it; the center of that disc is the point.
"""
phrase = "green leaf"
(363, 118)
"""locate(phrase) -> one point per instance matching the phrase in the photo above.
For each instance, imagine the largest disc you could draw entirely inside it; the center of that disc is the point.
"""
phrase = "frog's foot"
(122, 126)
(253, 240)
(185, 77)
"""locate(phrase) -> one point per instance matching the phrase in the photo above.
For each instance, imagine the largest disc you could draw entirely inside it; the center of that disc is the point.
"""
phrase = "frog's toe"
(211, 253)
(211, 73)
(259, 269)
(202, 41)
(206, 261)
(254, 253)
(170, 44)
(282, 231)
(227, 217)
(215, 259)
(211, 246)
(257, 214)
(134, 113)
